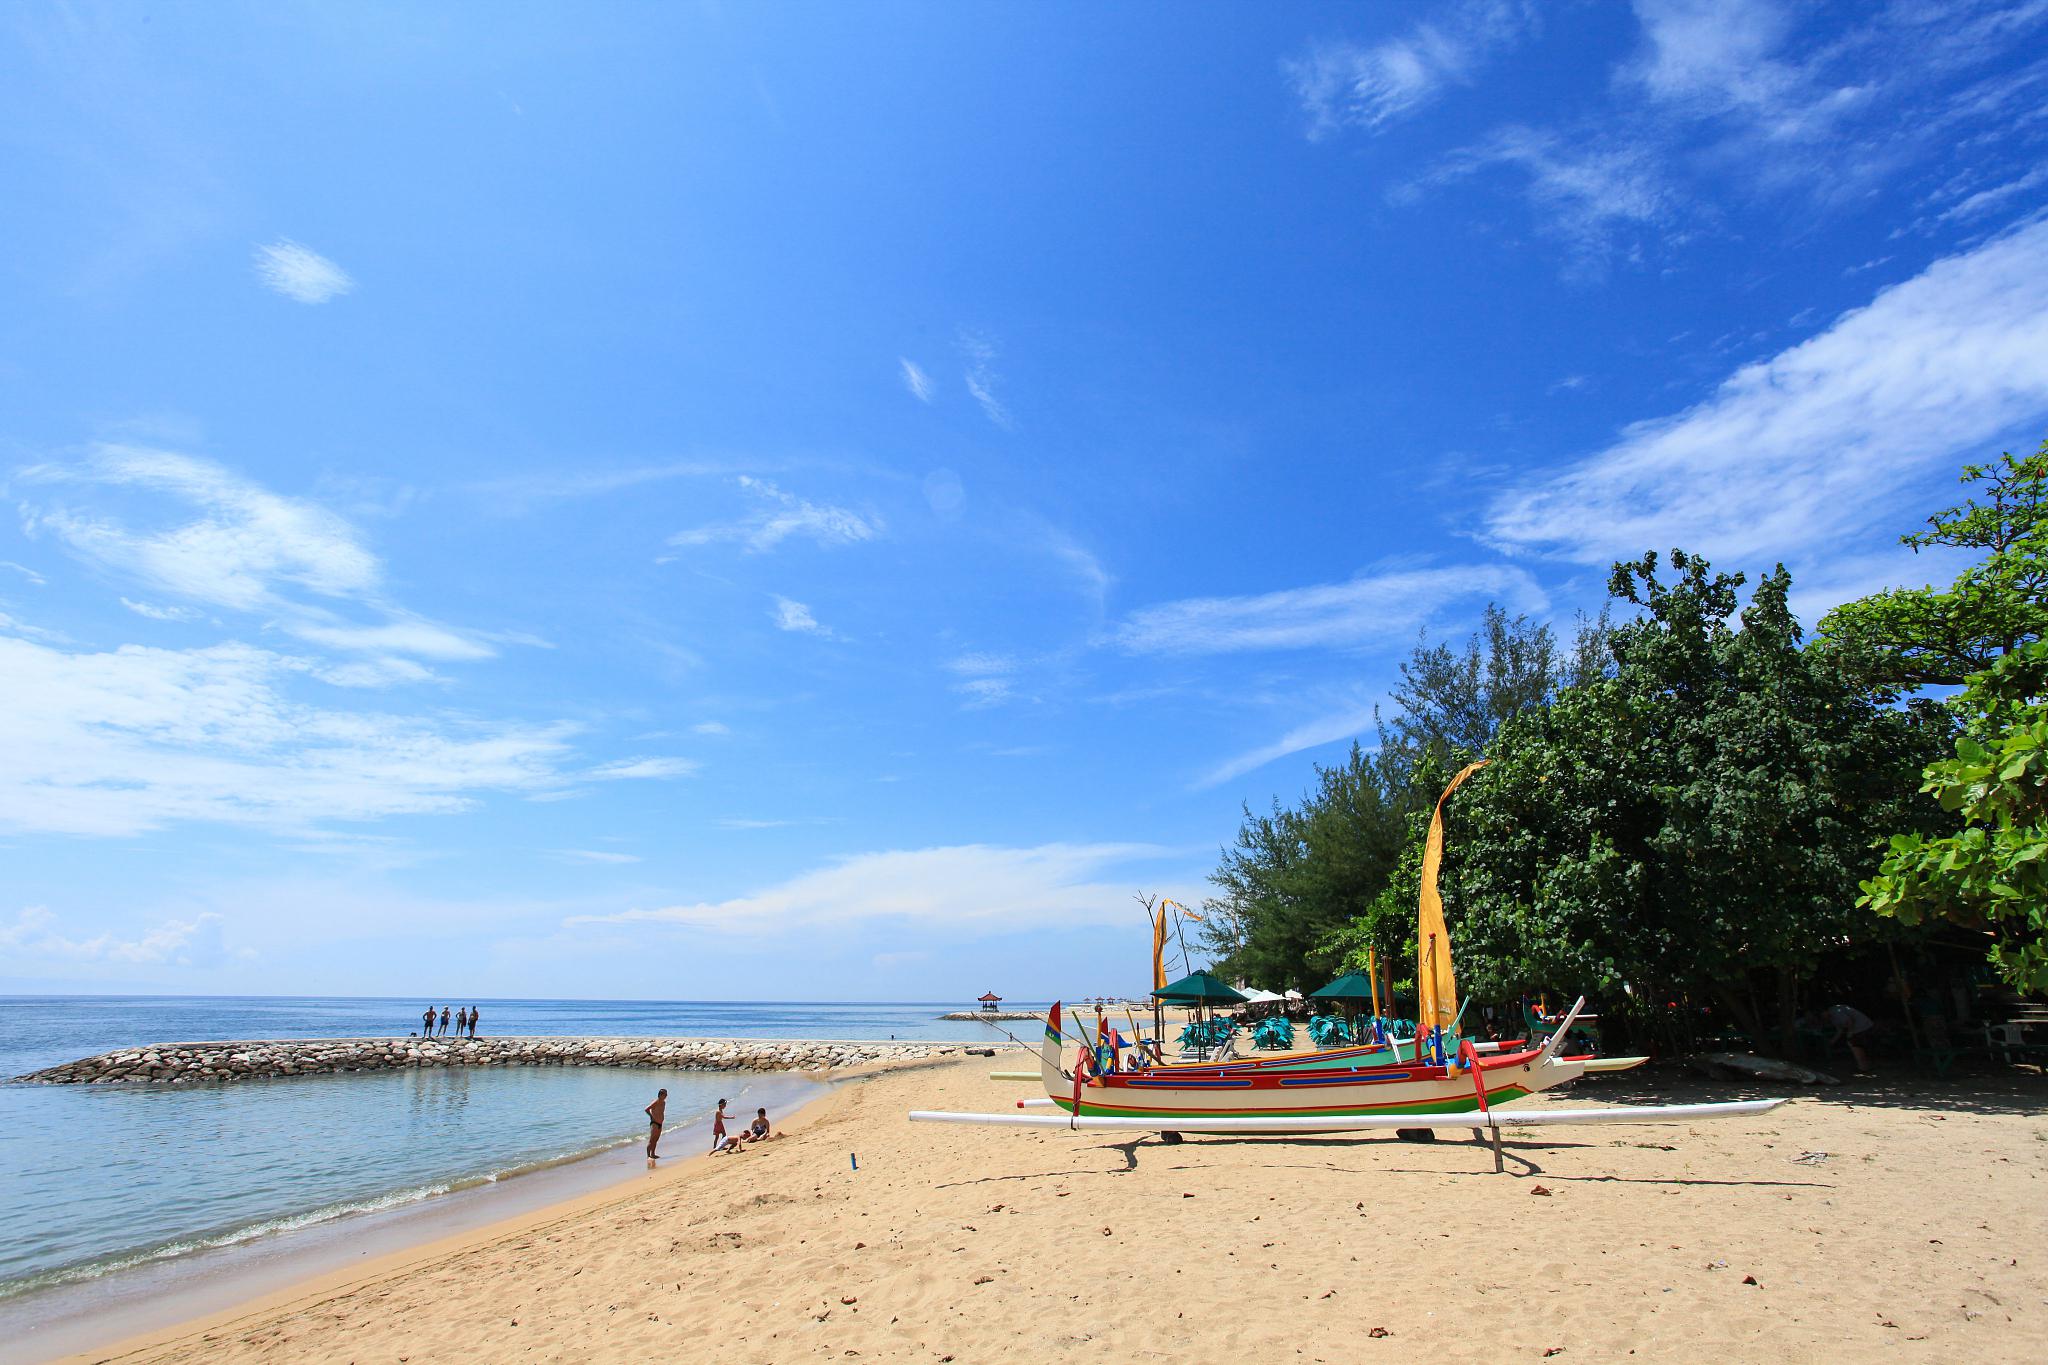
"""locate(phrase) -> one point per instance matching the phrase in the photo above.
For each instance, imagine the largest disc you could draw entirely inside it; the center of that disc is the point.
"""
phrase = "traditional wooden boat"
(1460, 1086)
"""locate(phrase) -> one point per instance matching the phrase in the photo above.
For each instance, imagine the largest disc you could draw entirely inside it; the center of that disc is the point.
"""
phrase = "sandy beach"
(1896, 1217)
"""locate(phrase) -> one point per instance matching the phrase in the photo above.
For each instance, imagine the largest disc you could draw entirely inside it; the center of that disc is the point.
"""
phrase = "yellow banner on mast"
(1436, 984)
(1159, 948)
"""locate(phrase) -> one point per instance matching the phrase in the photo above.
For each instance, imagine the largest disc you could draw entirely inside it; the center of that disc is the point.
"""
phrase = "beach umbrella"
(1199, 988)
(1350, 986)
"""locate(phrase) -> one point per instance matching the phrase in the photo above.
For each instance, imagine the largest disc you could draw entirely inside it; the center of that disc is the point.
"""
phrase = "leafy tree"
(1918, 636)
(1994, 873)
(1693, 824)
(1299, 876)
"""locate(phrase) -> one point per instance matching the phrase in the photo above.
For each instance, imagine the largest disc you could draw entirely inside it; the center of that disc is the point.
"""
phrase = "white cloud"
(1808, 445)
(780, 516)
(741, 822)
(593, 855)
(1348, 723)
(972, 885)
(1984, 201)
(916, 380)
(1719, 57)
(1585, 193)
(795, 616)
(25, 571)
(298, 273)
(121, 741)
(196, 942)
(985, 679)
(246, 542)
(1372, 608)
(710, 727)
(247, 549)
(979, 351)
(627, 769)
(157, 613)
(1349, 85)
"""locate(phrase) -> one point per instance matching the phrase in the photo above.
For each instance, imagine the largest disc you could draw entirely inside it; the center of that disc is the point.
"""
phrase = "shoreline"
(316, 1257)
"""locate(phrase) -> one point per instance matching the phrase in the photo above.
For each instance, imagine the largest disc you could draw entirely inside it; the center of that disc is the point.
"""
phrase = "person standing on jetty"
(462, 1021)
(472, 1021)
(444, 1022)
(427, 1023)
(657, 1112)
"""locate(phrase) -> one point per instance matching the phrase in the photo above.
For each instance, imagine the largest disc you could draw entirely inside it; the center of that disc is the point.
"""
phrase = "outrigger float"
(1346, 1090)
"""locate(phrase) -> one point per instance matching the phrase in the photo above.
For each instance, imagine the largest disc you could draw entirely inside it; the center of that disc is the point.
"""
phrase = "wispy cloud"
(121, 741)
(985, 679)
(594, 855)
(629, 769)
(978, 350)
(299, 273)
(1996, 197)
(1373, 608)
(1346, 723)
(710, 727)
(233, 544)
(157, 613)
(245, 543)
(197, 942)
(778, 516)
(794, 616)
(25, 571)
(971, 885)
(1350, 85)
(916, 380)
(1796, 450)
(1587, 194)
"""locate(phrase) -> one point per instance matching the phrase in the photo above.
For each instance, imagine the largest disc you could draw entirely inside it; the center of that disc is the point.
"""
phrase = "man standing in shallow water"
(656, 1113)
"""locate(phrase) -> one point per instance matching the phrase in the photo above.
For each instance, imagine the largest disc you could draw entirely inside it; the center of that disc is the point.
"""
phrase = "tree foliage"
(1299, 875)
(1919, 636)
(1993, 873)
(1694, 824)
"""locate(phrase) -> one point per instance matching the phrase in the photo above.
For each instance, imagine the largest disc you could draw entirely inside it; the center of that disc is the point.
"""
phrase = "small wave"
(271, 1227)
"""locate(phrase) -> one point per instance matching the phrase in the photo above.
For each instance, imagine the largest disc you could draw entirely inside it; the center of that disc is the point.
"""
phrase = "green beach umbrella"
(1350, 986)
(1200, 988)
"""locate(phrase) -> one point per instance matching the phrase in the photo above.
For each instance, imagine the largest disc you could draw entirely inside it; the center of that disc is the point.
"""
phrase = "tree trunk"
(1740, 1009)
(1788, 1010)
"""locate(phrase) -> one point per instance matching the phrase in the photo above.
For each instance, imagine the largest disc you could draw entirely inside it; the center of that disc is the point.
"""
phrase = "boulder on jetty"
(185, 1063)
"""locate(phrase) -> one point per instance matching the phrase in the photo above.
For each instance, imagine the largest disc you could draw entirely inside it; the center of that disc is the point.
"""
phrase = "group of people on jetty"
(465, 1023)
(759, 1130)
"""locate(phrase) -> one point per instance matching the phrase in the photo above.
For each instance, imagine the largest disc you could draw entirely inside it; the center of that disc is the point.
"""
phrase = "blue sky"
(737, 501)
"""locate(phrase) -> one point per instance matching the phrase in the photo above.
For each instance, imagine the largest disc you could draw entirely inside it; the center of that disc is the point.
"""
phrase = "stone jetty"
(188, 1063)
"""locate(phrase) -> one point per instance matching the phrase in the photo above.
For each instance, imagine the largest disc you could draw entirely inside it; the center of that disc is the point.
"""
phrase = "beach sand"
(1922, 1235)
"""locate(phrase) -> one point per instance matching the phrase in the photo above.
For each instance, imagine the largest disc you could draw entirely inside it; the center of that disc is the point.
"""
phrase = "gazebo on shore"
(989, 1002)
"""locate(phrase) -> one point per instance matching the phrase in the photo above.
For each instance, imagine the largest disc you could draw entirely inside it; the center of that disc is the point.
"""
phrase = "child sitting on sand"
(758, 1130)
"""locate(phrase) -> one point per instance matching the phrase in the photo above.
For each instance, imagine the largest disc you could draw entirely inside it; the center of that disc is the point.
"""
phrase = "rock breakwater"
(189, 1063)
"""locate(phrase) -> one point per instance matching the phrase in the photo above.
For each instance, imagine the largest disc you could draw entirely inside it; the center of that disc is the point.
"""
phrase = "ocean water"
(101, 1181)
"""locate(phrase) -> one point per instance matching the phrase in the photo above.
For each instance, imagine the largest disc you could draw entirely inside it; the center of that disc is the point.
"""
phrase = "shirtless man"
(657, 1112)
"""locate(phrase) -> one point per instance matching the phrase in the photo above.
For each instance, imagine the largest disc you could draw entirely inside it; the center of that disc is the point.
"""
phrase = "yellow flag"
(1159, 950)
(1436, 985)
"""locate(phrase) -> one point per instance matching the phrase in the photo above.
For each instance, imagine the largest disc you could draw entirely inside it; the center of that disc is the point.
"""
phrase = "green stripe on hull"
(1466, 1105)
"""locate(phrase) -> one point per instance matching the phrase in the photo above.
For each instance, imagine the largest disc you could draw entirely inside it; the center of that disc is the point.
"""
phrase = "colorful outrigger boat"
(1182, 1099)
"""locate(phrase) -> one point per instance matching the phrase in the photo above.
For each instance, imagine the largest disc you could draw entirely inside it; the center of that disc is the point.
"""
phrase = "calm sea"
(98, 1181)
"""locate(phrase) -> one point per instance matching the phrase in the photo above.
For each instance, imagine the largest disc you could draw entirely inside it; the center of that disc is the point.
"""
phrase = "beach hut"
(989, 1002)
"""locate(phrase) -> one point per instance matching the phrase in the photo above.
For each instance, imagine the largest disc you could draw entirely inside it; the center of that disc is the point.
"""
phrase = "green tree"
(1693, 824)
(1993, 874)
(1300, 875)
(1919, 636)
